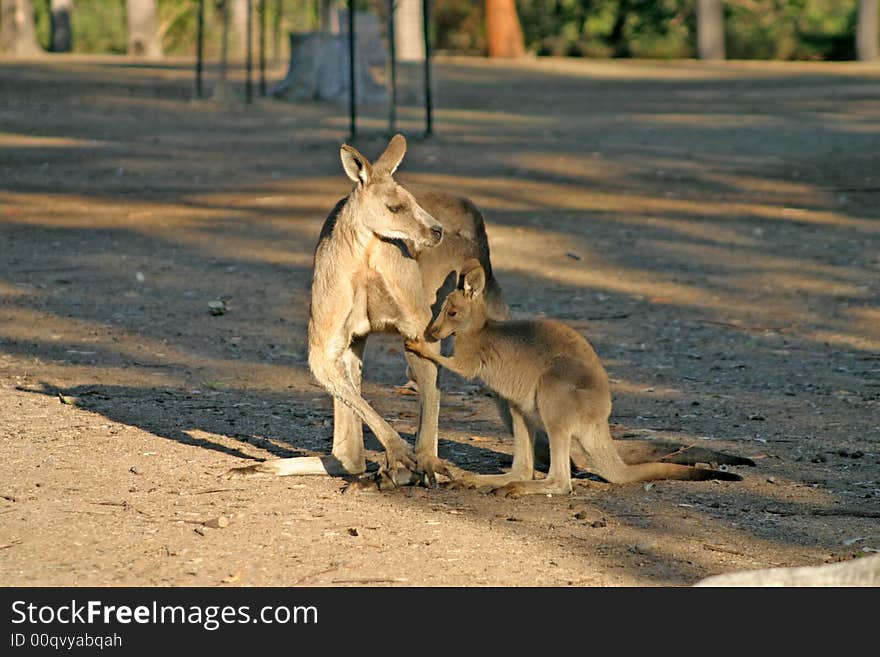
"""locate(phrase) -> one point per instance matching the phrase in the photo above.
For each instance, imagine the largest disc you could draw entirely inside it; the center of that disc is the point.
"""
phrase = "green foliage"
(42, 20)
(98, 26)
(755, 29)
(790, 29)
(459, 26)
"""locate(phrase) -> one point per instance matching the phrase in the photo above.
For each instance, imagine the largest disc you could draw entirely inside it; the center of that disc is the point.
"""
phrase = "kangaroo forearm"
(415, 313)
(455, 365)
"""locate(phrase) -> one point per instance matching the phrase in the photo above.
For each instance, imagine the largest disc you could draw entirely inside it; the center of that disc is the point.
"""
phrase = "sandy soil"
(713, 230)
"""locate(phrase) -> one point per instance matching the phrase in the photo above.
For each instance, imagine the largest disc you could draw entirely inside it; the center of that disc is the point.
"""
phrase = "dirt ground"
(714, 230)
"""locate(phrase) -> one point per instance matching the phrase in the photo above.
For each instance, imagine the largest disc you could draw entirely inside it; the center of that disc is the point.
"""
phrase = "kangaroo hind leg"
(523, 468)
(558, 408)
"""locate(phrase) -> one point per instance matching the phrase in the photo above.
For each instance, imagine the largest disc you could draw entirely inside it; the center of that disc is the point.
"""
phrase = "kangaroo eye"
(452, 313)
(394, 209)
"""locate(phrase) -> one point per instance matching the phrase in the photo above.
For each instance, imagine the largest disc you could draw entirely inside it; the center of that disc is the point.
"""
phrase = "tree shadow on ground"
(701, 233)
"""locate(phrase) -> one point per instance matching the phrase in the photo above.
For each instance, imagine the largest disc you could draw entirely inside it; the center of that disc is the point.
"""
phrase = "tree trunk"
(867, 47)
(142, 18)
(221, 90)
(328, 18)
(18, 35)
(710, 29)
(616, 38)
(61, 38)
(504, 35)
(238, 29)
(409, 43)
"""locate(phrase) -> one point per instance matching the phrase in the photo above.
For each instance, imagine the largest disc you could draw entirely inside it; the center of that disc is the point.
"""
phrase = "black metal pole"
(249, 83)
(262, 18)
(352, 110)
(200, 46)
(276, 32)
(426, 21)
(392, 73)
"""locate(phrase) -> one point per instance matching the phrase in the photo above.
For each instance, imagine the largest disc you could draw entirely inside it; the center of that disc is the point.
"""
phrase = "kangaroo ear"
(356, 166)
(473, 279)
(391, 158)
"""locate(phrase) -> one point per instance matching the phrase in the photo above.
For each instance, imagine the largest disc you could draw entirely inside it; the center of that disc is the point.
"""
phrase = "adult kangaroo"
(382, 256)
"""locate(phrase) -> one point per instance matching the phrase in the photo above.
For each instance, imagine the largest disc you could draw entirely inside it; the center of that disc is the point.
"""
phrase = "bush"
(755, 29)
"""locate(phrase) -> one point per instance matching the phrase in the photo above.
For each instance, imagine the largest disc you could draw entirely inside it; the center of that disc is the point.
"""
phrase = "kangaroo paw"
(382, 480)
(365, 484)
(399, 455)
(430, 466)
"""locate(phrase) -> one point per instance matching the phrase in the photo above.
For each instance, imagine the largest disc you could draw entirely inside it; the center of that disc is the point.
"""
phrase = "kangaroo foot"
(383, 480)
(300, 465)
(368, 483)
(398, 454)
(535, 487)
(430, 466)
(492, 482)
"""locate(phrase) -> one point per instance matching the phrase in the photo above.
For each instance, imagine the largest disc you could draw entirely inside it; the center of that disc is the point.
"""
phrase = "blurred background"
(712, 29)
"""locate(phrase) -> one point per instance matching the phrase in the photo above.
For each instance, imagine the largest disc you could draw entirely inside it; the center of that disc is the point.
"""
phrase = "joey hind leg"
(558, 480)
(555, 405)
(523, 468)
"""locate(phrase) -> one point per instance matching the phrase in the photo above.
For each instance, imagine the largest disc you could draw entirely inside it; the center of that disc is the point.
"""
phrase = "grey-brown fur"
(553, 382)
(379, 263)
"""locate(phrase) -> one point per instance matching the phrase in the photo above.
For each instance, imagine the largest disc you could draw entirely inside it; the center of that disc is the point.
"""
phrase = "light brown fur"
(553, 382)
(379, 264)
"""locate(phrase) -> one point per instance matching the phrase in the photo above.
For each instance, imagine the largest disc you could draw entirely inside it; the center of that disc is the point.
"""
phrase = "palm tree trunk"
(867, 31)
(142, 17)
(18, 35)
(710, 29)
(504, 35)
(409, 46)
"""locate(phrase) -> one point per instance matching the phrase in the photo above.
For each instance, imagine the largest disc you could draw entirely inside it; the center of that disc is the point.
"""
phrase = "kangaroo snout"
(440, 330)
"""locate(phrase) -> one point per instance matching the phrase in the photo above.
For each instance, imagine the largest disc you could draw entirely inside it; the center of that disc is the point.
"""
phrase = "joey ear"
(356, 166)
(388, 162)
(473, 279)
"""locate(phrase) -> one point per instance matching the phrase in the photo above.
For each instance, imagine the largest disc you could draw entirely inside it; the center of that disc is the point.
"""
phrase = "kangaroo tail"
(646, 451)
(652, 471)
(602, 458)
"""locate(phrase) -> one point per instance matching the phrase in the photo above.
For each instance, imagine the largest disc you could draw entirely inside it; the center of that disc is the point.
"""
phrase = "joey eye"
(451, 313)
(394, 209)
